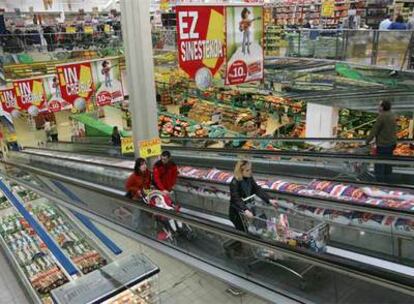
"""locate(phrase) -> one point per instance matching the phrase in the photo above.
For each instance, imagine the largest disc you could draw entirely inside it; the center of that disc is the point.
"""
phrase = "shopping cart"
(292, 229)
(168, 229)
(358, 170)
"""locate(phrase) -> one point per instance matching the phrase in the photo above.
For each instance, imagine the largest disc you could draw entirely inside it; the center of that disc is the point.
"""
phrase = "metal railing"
(389, 49)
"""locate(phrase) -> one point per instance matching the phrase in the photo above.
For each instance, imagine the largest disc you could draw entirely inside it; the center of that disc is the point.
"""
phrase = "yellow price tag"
(127, 145)
(164, 4)
(71, 29)
(107, 28)
(12, 138)
(328, 8)
(88, 29)
(150, 148)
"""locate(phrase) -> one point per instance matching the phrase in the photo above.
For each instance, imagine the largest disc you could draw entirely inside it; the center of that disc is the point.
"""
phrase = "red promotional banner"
(200, 39)
(8, 100)
(75, 81)
(30, 95)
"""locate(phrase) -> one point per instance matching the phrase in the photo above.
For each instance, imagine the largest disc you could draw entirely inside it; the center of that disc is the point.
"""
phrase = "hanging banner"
(108, 81)
(75, 81)
(8, 100)
(30, 95)
(55, 102)
(244, 32)
(200, 41)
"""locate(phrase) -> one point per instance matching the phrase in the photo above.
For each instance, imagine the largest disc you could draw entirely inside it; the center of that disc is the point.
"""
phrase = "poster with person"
(244, 32)
(55, 102)
(108, 81)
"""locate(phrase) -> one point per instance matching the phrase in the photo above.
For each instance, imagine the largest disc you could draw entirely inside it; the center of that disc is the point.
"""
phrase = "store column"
(136, 30)
(322, 122)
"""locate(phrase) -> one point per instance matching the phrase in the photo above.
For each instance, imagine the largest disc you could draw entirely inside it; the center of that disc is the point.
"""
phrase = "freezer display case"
(42, 273)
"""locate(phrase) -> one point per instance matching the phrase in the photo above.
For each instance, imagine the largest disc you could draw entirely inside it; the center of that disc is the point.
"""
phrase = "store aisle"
(10, 290)
(180, 284)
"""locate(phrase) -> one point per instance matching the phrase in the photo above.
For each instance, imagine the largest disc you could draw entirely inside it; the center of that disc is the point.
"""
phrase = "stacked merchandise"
(76, 246)
(143, 293)
(237, 120)
(4, 203)
(32, 254)
(275, 41)
(322, 189)
(23, 193)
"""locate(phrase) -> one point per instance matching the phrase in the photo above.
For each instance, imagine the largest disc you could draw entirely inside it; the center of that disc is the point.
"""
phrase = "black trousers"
(383, 171)
(235, 218)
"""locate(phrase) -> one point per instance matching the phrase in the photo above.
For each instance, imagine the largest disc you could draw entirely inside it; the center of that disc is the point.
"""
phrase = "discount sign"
(200, 39)
(244, 32)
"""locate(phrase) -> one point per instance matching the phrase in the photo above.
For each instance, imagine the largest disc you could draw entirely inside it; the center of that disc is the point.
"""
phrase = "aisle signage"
(75, 81)
(30, 94)
(200, 40)
(127, 145)
(150, 148)
(8, 100)
(244, 36)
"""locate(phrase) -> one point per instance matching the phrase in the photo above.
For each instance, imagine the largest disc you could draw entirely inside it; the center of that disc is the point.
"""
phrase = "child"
(106, 70)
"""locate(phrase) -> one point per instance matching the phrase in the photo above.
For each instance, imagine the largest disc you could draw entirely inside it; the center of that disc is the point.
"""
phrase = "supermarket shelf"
(50, 243)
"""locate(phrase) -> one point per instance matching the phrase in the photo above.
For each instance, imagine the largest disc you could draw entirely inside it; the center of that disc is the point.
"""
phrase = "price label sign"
(127, 145)
(150, 148)
(88, 29)
(71, 29)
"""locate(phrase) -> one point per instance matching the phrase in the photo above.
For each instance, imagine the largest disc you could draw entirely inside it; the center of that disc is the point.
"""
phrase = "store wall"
(26, 133)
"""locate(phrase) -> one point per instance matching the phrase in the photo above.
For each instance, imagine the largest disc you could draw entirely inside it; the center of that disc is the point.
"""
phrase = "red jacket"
(137, 182)
(165, 176)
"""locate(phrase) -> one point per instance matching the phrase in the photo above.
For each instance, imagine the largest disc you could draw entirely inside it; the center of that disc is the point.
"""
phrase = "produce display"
(69, 239)
(322, 189)
(32, 254)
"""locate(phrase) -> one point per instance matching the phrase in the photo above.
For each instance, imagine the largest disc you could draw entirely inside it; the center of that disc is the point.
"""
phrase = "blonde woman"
(242, 187)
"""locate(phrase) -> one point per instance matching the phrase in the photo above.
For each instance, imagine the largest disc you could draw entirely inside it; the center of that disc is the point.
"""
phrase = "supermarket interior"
(206, 151)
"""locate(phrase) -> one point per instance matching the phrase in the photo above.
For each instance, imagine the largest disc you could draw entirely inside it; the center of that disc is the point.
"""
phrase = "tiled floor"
(10, 290)
(180, 284)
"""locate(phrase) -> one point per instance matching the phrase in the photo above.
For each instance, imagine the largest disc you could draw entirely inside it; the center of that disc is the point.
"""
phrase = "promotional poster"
(8, 99)
(108, 81)
(55, 102)
(244, 32)
(75, 81)
(200, 41)
(30, 95)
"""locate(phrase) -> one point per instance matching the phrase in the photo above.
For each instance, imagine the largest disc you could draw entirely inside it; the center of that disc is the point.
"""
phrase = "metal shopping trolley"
(293, 229)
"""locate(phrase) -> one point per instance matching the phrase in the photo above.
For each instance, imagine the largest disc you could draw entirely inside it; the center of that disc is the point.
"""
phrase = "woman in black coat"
(242, 187)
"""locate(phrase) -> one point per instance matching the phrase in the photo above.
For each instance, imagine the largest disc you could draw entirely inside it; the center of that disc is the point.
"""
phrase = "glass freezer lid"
(107, 282)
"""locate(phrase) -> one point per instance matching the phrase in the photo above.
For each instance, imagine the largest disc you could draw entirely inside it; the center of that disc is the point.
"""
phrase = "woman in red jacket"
(139, 180)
